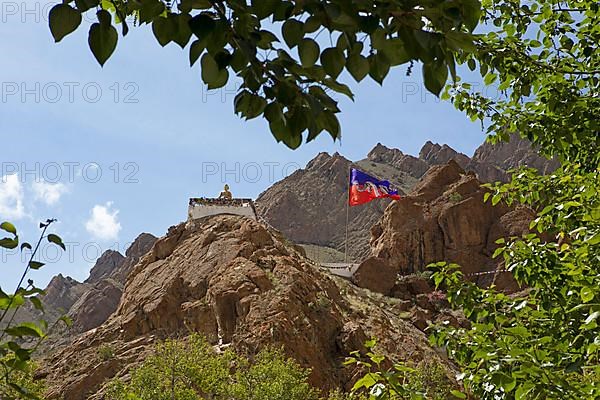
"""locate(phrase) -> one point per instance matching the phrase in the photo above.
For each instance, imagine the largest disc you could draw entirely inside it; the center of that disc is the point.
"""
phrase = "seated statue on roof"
(226, 194)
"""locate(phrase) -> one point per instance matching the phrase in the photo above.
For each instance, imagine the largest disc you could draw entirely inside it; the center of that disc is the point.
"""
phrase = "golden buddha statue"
(226, 194)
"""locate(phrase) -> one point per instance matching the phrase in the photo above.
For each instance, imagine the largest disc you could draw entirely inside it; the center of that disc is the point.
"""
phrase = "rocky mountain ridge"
(309, 206)
(87, 303)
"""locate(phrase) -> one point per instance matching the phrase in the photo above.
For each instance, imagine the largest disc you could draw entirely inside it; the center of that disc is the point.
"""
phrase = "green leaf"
(308, 50)
(264, 8)
(595, 239)
(11, 302)
(9, 243)
(367, 381)
(8, 227)
(63, 19)
(220, 81)
(460, 41)
(333, 61)
(52, 238)
(435, 75)
(472, 64)
(210, 69)
(586, 294)
(293, 32)
(379, 67)
(523, 391)
(183, 33)
(249, 105)
(339, 87)
(84, 5)
(36, 265)
(330, 123)
(505, 381)
(25, 329)
(102, 38)
(202, 25)
(150, 9)
(164, 30)
(37, 303)
(67, 320)
(497, 252)
(458, 394)
(358, 66)
(196, 50)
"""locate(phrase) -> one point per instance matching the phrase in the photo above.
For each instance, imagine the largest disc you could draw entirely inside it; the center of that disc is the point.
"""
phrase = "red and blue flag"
(364, 188)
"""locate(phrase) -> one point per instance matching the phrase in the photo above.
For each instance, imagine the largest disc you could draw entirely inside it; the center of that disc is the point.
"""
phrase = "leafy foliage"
(21, 381)
(427, 380)
(274, 47)
(542, 344)
(15, 358)
(191, 370)
(542, 56)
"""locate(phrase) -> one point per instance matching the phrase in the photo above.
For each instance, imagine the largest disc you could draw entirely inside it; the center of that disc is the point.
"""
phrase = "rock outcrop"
(87, 303)
(105, 285)
(108, 262)
(443, 219)
(242, 285)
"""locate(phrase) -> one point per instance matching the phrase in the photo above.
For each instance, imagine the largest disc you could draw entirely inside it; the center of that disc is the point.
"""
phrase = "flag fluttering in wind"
(364, 188)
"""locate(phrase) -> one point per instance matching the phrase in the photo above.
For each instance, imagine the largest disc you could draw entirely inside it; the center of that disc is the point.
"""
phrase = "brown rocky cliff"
(107, 280)
(61, 293)
(90, 303)
(242, 285)
(108, 262)
(443, 219)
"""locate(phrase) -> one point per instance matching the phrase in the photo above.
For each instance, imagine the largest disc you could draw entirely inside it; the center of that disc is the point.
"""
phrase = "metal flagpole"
(347, 216)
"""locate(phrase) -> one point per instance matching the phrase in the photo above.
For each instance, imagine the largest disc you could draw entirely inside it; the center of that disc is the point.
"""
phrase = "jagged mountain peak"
(436, 154)
(383, 154)
(108, 262)
(319, 159)
(140, 245)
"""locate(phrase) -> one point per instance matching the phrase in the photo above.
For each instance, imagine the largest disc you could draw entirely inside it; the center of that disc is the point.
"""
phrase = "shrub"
(26, 387)
(190, 370)
(455, 197)
(106, 352)
(426, 381)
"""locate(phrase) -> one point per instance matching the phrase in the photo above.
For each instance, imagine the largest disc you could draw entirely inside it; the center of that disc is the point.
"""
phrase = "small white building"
(201, 207)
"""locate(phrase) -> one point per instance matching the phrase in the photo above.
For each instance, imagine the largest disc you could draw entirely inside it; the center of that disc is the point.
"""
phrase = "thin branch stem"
(37, 246)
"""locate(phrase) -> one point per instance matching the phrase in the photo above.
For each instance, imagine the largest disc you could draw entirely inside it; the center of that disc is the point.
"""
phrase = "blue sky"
(112, 152)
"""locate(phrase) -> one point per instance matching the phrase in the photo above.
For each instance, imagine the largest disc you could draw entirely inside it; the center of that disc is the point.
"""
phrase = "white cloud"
(103, 223)
(11, 197)
(49, 193)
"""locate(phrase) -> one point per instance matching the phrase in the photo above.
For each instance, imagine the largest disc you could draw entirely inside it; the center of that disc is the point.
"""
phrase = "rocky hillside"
(243, 286)
(309, 206)
(105, 285)
(443, 219)
(88, 303)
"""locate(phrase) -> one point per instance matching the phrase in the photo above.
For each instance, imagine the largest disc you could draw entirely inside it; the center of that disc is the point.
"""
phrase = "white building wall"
(201, 211)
